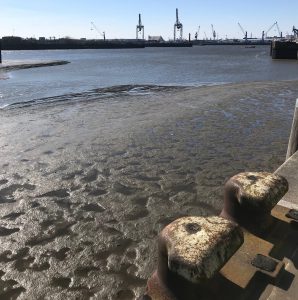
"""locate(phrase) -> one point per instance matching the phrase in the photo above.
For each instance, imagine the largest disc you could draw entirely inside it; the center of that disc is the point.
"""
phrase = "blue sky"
(60, 18)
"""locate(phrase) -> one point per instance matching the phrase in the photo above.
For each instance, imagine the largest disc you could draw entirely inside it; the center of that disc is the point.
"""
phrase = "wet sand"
(85, 187)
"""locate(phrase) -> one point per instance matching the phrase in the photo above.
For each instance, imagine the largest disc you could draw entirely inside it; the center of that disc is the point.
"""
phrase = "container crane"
(272, 26)
(213, 32)
(103, 34)
(244, 32)
(295, 31)
(178, 27)
(140, 28)
(197, 33)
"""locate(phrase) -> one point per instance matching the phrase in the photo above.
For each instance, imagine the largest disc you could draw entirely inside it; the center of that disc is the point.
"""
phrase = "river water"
(86, 186)
(90, 69)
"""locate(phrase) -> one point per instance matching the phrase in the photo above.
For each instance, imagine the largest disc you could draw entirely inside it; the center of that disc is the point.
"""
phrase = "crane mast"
(243, 31)
(140, 28)
(295, 31)
(213, 32)
(197, 33)
(178, 27)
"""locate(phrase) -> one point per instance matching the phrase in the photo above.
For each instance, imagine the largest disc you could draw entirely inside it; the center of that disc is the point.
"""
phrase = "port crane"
(103, 34)
(140, 28)
(197, 33)
(295, 31)
(243, 31)
(178, 27)
(213, 32)
(271, 27)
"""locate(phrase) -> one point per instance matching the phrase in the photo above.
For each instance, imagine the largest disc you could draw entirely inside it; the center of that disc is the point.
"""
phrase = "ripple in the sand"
(125, 295)
(60, 229)
(57, 193)
(123, 189)
(23, 264)
(60, 254)
(13, 216)
(62, 282)
(93, 207)
(10, 289)
(85, 270)
(136, 212)
(90, 176)
(8, 231)
(3, 181)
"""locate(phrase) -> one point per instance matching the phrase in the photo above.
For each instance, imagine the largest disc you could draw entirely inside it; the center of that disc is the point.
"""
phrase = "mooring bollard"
(191, 251)
(250, 197)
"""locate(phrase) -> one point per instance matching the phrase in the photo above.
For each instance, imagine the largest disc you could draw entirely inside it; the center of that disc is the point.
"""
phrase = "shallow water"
(91, 69)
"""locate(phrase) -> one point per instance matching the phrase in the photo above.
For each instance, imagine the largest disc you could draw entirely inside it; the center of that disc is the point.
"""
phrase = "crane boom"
(278, 30)
(270, 28)
(243, 31)
(103, 34)
(275, 24)
(241, 28)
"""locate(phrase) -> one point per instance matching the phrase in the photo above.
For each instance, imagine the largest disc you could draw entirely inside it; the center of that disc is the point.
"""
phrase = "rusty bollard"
(250, 197)
(191, 252)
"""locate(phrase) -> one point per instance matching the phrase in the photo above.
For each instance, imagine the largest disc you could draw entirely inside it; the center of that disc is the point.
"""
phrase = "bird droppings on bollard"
(293, 214)
(264, 263)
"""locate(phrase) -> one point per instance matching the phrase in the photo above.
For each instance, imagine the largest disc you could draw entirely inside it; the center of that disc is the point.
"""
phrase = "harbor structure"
(178, 27)
(140, 29)
(285, 49)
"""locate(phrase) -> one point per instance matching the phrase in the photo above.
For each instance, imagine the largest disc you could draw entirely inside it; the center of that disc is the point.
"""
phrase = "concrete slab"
(290, 171)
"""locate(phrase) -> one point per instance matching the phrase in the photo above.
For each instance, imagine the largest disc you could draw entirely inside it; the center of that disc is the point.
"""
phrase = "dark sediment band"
(20, 66)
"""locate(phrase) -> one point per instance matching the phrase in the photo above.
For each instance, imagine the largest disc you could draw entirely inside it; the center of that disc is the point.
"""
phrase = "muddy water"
(86, 186)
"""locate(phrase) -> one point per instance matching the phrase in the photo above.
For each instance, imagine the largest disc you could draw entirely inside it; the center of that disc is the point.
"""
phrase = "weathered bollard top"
(258, 191)
(198, 247)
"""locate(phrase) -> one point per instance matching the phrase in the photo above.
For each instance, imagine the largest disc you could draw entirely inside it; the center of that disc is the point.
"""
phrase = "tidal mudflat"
(85, 186)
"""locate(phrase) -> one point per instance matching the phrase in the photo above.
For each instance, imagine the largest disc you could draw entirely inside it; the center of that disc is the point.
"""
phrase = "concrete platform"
(290, 171)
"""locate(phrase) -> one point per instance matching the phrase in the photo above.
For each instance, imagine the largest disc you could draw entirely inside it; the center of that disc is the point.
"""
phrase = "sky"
(118, 18)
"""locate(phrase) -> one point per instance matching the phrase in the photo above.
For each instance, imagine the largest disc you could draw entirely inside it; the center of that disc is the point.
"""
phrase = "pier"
(284, 49)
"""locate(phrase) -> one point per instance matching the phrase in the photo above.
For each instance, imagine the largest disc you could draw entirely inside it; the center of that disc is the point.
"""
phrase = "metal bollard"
(191, 252)
(250, 196)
